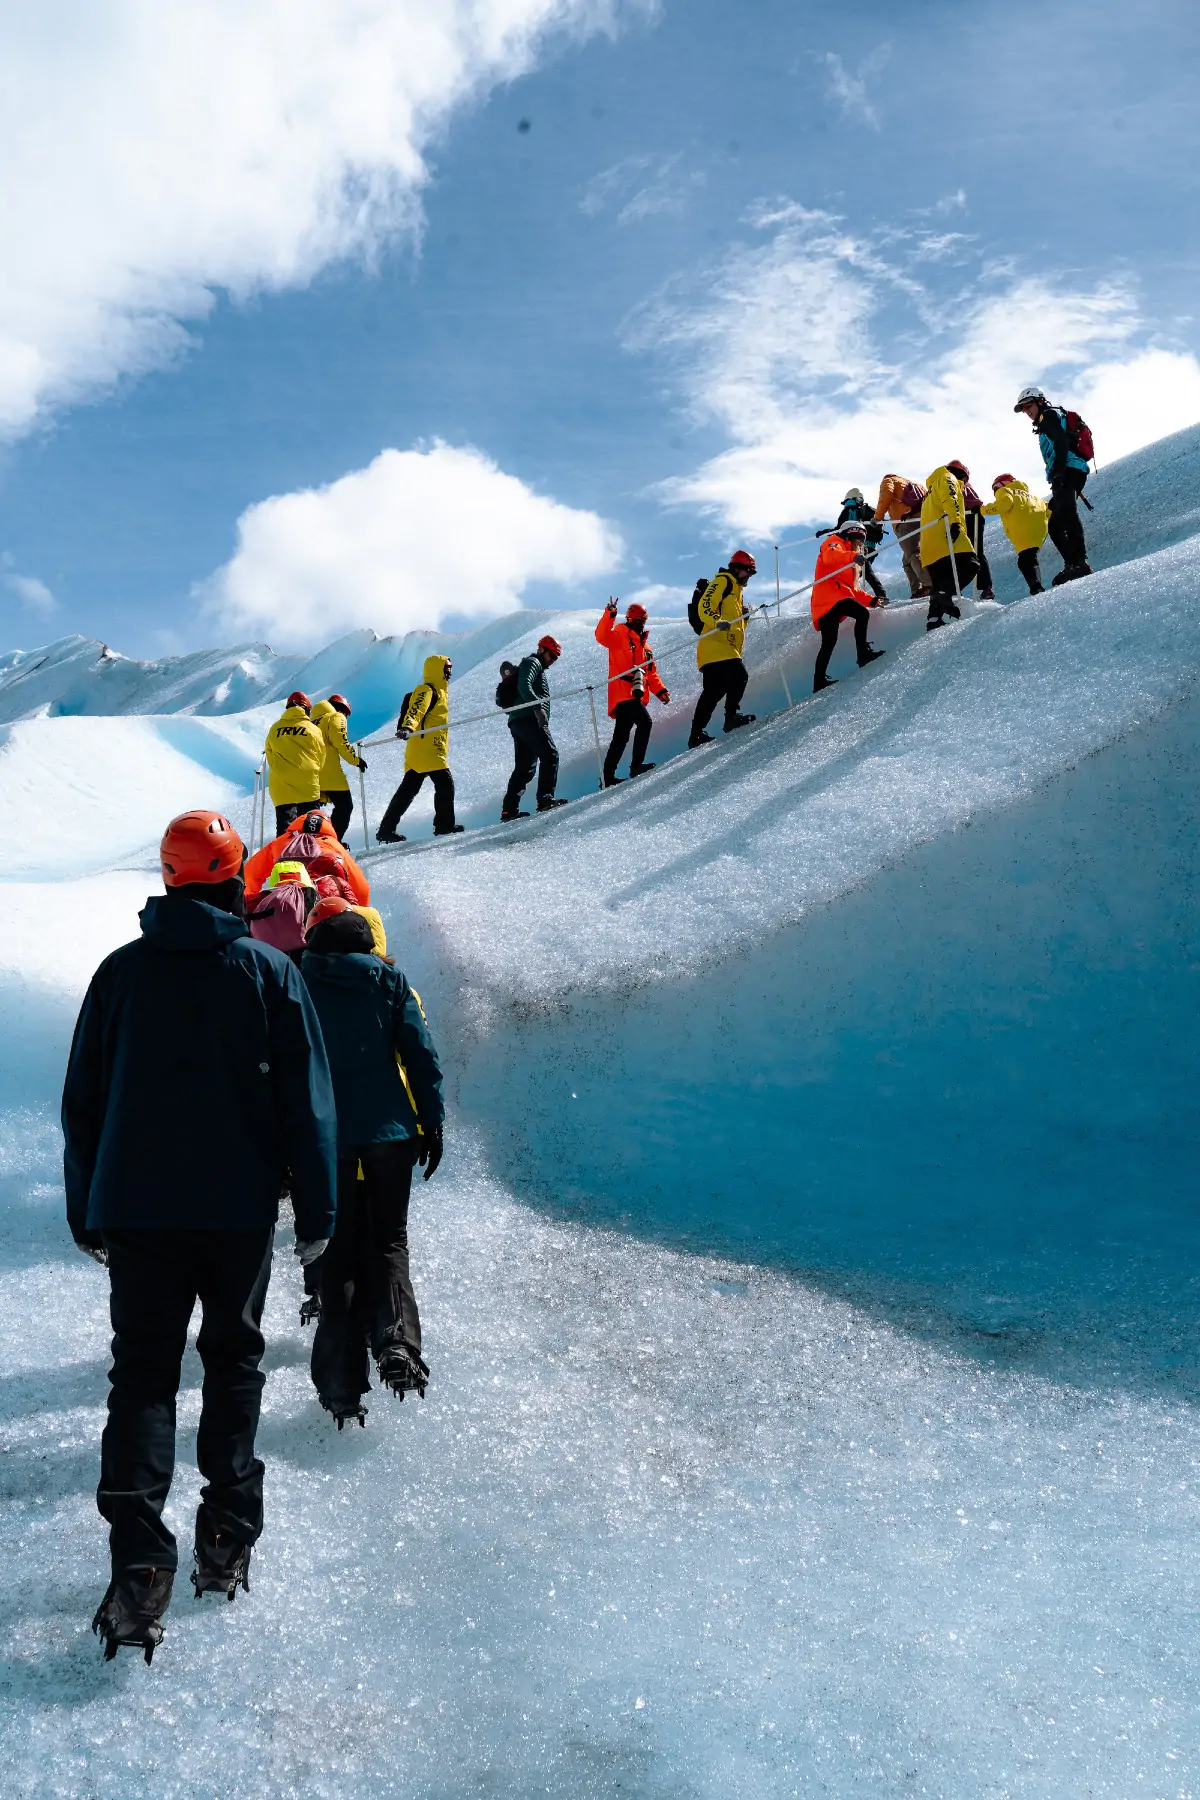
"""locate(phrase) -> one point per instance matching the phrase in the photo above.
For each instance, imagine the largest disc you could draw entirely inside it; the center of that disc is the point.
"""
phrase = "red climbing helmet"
(299, 699)
(552, 645)
(326, 908)
(342, 704)
(960, 469)
(742, 559)
(200, 846)
(636, 613)
(1002, 481)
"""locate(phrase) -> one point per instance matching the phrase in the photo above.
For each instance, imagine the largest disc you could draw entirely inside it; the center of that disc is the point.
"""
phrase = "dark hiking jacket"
(197, 1084)
(372, 1023)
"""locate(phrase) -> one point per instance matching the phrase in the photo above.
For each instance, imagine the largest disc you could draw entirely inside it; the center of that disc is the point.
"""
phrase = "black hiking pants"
(533, 748)
(285, 814)
(343, 806)
(830, 625)
(628, 716)
(725, 680)
(406, 793)
(367, 1299)
(1027, 562)
(156, 1278)
(1066, 527)
(976, 526)
(944, 598)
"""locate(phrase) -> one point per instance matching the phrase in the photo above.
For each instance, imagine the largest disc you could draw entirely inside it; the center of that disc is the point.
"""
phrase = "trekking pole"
(362, 798)
(782, 671)
(953, 564)
(596, 734)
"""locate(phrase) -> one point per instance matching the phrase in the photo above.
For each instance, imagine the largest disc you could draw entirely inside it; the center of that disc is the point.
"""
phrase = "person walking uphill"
(900, 501)
(632, 677)
(1066, 446)
(723, 615)
(427, 712)
(945, 546)
(976, 526)
(295, 752)
(836, 595)
(533, 746)
(197, 1058)
(855, 511)
(1024, 517)
(329, 716)
(389, 1116)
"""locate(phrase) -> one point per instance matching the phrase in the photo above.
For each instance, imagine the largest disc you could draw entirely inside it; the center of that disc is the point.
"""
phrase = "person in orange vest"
(286, 848)
(836, 595)
(632, 678)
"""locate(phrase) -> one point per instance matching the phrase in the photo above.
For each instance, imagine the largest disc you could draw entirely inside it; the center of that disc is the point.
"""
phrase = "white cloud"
(785, 362)
(851, 91)
(416, 536)
(33, 594)
(153, 151)
(665, 190)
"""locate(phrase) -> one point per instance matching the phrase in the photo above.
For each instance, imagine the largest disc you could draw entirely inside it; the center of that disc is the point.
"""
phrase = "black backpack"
(698, 593)
(507, 693)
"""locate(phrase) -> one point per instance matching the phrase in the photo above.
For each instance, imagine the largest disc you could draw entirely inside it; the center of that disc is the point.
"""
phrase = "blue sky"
(737, 258)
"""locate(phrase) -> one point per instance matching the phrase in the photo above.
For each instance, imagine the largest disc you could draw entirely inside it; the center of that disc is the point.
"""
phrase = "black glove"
(92, 1244)
(362, 763)
(955, 532)
(429, 1149)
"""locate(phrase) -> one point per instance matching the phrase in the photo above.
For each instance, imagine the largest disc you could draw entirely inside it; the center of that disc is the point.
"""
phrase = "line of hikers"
(217, 1066)
(939, 527)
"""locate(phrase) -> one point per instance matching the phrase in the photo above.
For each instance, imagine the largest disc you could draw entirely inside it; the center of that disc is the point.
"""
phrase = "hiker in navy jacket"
(389, 1109)
(197, 1087)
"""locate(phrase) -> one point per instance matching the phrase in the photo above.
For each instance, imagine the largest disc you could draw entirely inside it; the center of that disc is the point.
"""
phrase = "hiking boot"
(933, 624)
(1063, 575)
(344, 1410)
(953, 609)
(871, 656)
(402, 1369)
(820, 685)
(738, 720)
(130, 1614)
(614, 780)
(310, 1309)
(642, 768)
(1077, 571)
(988, 594)
(222, 1563)
(697, 738)
(1039, 589)
(448, 830)
(549, 805)
(390, 837)
(507, 818)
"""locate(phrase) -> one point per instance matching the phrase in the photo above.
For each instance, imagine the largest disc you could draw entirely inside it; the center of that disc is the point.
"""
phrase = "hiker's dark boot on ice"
(740, 719)
(697, 738)
(871, 656)
(448, 830)
(614, 781)
(821, 682)
(403, 1370)
(130, 1615)
(310, 1309)
(222, 1563)
(506, 818)
(390, 837)
(550, 805)
(642, 768)
(346, 1412)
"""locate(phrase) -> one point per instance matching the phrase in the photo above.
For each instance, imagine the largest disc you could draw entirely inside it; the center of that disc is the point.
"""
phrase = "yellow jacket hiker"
(295, 753)
(428, 757)
(945, 497)
(331, 722)
(1025, 519)
(721, 610)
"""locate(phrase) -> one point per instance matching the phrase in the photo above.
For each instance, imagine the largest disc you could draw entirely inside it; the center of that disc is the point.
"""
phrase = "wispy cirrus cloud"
(851, 89)
(788, 367)
(641, 187)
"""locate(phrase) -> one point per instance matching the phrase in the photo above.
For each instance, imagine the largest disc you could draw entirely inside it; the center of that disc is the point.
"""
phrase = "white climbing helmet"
(1026, 395)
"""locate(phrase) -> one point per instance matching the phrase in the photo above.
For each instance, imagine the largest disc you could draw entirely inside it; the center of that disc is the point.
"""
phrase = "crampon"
(403, 1370)
(130, 1615)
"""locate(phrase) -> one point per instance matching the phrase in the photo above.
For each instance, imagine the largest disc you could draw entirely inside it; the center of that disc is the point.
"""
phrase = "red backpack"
(278, 915)
(912, 494)
(1079, 436)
